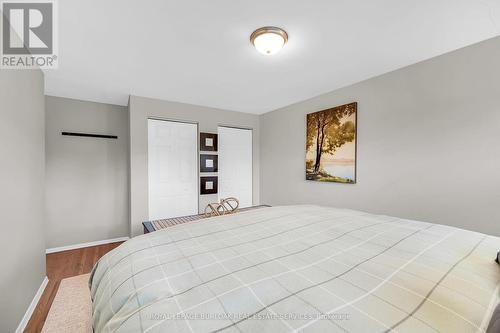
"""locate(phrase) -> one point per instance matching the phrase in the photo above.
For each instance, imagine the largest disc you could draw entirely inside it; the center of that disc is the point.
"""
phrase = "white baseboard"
(82, 245)
(32, 307)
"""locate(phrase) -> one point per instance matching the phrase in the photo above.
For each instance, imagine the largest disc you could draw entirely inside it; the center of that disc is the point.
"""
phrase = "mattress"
(299, 268)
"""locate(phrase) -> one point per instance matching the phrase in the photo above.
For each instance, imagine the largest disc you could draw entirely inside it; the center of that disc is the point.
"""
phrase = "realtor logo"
(28, 34)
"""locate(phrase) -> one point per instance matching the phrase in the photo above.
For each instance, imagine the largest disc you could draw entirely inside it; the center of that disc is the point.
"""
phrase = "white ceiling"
(199, 52)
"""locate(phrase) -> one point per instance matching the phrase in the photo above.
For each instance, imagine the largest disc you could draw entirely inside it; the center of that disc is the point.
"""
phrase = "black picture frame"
(206, 160)
(206, 139)
(206, 183)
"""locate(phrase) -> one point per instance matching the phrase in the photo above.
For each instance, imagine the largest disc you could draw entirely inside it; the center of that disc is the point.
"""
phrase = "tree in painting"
(330, 145)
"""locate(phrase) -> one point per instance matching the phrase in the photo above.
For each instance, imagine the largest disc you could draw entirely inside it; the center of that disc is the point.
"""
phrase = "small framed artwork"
(208, 163)
(208, 142)
(208, 185)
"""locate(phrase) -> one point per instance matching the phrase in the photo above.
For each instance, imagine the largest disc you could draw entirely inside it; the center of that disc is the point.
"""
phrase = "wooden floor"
(62, 265)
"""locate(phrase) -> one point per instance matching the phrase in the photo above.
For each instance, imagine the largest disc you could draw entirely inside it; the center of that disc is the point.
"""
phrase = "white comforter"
(299, 268)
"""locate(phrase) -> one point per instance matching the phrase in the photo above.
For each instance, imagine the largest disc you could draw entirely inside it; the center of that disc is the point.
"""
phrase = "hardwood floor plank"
(61, 265)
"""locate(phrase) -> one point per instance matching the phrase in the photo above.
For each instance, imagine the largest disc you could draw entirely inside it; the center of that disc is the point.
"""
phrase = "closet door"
(173, 169)
(235, 164)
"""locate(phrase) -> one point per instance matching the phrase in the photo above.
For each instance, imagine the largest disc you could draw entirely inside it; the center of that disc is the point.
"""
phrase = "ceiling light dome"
(269, 40)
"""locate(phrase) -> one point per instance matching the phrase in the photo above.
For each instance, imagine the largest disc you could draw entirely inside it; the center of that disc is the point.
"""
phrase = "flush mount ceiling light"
(269, 40)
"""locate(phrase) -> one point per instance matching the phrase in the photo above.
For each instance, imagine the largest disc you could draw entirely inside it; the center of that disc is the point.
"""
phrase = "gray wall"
(428, 143)
(87, 178)
(208, 120)
(22, 242)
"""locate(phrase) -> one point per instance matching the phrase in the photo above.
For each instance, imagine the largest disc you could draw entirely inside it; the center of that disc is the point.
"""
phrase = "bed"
(299, 269)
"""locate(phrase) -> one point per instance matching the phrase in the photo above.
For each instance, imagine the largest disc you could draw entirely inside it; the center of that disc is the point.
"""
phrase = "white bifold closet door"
(173, 169)
(235, 164)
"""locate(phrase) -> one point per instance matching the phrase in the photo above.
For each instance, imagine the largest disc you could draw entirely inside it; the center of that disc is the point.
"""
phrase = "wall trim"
(31, 308)
(82, 245)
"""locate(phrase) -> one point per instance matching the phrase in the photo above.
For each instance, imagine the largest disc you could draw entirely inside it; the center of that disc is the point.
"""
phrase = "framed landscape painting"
(331, 144)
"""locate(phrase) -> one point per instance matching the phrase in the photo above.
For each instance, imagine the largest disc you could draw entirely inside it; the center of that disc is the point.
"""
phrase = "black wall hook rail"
(88, 135)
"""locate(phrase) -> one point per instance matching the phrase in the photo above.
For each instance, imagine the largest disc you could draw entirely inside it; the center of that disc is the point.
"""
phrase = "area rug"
(71, 310)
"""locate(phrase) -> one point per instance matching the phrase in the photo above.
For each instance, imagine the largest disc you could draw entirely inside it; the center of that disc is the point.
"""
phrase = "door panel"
(173, 169)
(235, 164)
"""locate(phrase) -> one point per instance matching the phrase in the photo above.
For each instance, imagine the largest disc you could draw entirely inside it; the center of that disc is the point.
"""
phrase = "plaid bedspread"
(299, 268)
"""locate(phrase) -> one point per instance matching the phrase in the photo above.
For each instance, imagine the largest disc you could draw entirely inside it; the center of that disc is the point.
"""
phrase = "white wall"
(87, 178)
(22, 168)
(428, 143)
(208, 119)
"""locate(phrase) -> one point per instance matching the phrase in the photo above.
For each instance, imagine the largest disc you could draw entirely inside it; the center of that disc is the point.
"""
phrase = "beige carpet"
(71, 310)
